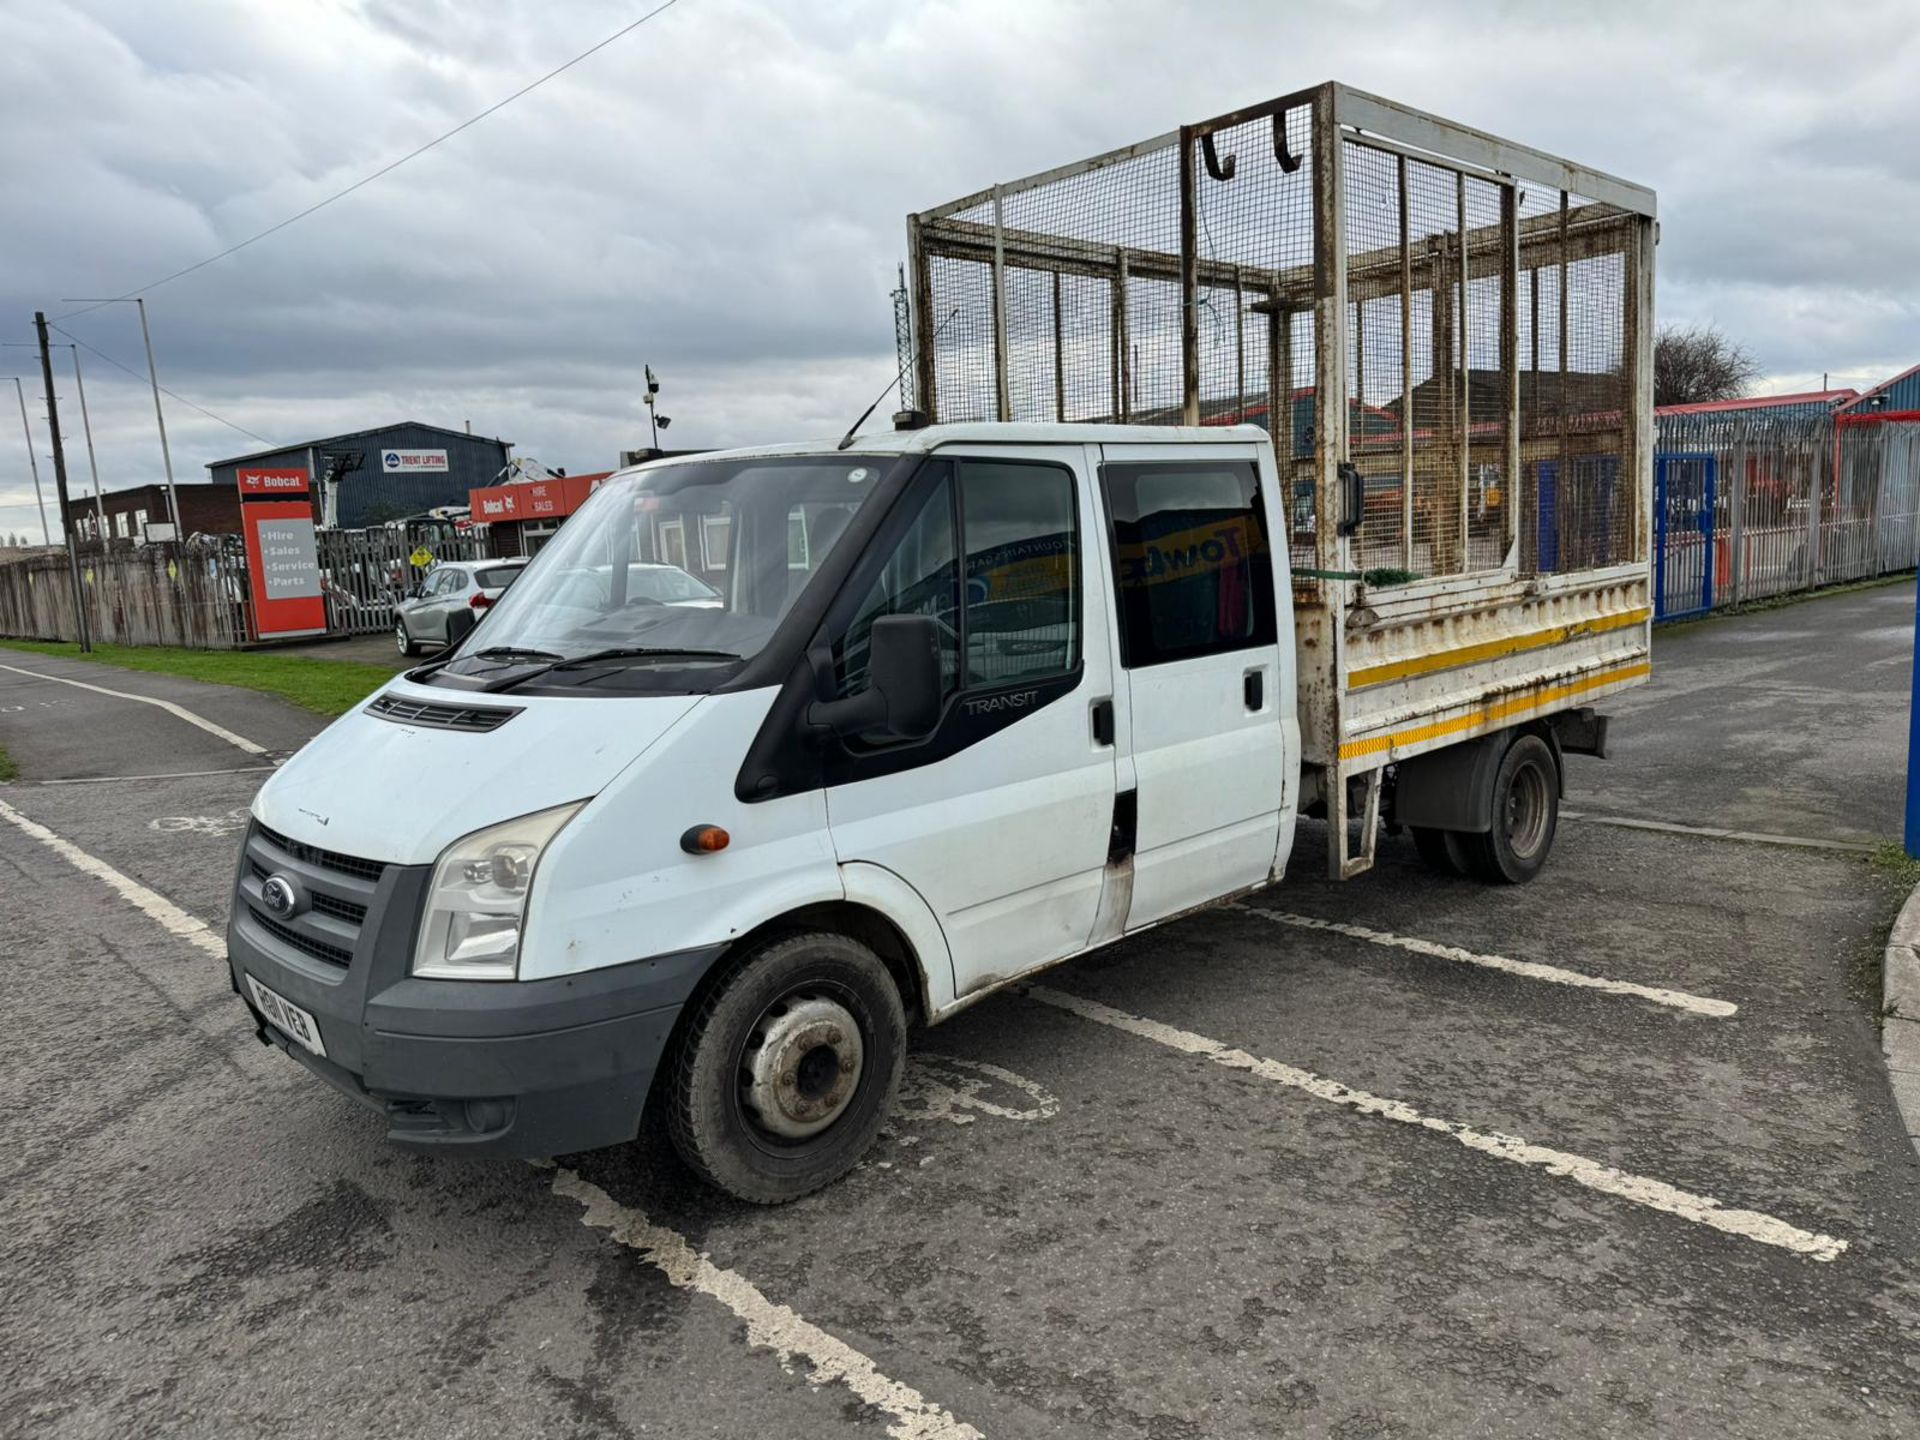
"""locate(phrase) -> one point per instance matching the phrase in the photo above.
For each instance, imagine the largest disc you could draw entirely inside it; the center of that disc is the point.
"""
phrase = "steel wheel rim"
(1528, 805)
(800, 1066)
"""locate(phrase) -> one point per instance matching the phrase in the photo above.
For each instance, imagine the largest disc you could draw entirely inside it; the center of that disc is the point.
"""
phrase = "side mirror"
(460, 624)
(904, 683)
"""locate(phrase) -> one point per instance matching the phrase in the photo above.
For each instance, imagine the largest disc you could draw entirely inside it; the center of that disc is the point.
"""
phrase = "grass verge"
(8, 770)
(327, 687)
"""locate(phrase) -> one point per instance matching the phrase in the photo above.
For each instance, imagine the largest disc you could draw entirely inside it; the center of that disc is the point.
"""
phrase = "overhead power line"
(95, 350)
(386, 169)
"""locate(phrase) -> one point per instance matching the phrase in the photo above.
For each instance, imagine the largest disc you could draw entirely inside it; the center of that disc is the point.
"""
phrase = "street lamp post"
(93, 465)
(153, 378)
(46, 535)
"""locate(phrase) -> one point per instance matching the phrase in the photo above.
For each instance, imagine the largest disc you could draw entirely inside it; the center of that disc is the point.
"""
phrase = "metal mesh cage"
(1489, 332)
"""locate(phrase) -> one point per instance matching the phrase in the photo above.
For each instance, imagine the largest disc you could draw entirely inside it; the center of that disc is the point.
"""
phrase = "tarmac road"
(1164, 1194)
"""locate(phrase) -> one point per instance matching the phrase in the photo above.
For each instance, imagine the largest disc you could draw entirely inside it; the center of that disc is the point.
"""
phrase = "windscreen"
(692, 564)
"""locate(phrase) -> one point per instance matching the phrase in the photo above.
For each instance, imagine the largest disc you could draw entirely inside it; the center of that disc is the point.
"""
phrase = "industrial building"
(369, 477)
(204, 510)
(1898, 396)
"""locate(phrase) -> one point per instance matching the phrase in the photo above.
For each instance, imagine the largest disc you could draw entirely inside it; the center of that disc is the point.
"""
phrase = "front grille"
(305, 944)
(474, 719)
(325, 859)
(340, 909)
(323, 904)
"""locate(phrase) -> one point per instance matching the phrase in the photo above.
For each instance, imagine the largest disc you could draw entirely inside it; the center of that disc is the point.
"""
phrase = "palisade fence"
(1750, 505)
(365, 573)
(194, 593)
(191, 593)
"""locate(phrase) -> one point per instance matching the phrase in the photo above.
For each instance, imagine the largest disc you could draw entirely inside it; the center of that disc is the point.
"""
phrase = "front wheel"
(405, 641)
(1526, 812)
(789, 1067)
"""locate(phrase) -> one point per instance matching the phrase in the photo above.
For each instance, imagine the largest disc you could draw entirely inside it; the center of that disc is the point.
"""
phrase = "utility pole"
(60, 484)
(46, 535)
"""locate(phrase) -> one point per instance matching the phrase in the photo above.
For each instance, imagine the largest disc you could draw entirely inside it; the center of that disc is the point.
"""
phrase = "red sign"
(283, 568)
(539, 500)
(272, 482)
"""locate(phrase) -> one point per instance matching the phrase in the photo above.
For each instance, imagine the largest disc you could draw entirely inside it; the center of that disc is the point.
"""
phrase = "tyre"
(405, 641)
(1526, 811)
(1435, 850)
(788, 1068)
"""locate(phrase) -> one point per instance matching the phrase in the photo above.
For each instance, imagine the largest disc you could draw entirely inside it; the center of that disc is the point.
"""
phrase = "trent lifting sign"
(394, 461)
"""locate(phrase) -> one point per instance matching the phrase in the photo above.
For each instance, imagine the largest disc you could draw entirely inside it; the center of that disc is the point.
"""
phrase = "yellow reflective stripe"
(1491, 650)
(1492, 714)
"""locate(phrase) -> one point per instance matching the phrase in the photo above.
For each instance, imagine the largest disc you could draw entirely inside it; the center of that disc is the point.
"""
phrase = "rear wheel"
(1526, 812)
(1434, 850)
(788, 1068)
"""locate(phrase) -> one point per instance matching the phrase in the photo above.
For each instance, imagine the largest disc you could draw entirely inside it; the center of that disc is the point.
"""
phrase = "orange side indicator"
(704, 840)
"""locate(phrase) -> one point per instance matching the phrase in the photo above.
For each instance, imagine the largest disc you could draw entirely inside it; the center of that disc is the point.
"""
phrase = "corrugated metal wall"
(370, 496)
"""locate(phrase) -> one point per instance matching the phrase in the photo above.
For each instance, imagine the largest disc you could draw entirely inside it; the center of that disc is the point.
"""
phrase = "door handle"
(1102, 713)
(1254, 687)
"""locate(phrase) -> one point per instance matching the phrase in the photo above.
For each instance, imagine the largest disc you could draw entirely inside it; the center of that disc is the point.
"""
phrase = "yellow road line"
(1492, 649)
(1493, 714)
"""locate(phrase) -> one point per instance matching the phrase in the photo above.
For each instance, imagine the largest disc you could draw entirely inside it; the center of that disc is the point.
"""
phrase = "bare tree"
(1697, 363)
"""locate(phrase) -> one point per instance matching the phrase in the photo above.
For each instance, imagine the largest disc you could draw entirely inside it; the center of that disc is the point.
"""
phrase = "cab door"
(1001, 819)
(1202, 689)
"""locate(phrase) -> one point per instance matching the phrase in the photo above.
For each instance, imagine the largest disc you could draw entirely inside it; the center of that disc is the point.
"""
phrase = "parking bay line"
(1639, 1189)
(770, 1326)
(179, 711)
(1711, 832)
(1530, 969)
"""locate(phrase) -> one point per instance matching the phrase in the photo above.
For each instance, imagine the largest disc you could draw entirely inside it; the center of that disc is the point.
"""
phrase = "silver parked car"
(420, 622)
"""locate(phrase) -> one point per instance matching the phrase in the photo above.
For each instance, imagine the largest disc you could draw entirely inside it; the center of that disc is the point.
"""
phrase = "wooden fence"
(191, 594)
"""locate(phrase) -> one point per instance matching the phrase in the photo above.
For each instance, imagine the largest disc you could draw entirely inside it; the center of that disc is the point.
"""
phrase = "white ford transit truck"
(1063, 656)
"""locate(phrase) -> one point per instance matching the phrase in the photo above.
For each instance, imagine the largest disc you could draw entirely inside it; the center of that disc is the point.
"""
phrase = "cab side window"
(1023, 582)
(1013, 608)
(1191, 559)
(919, 577)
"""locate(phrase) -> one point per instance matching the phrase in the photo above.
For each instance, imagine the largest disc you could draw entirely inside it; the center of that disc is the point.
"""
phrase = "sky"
(721, 194)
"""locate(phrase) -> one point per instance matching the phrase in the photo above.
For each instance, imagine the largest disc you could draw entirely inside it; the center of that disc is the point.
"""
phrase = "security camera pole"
(656, 422)
(60, 485)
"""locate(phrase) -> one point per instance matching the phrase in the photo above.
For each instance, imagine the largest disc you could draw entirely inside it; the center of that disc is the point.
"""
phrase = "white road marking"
(180, 711)
(184, 986)
(170, 775)
(1654, 1194)
(150, 903)
(214, 826)
(948, 1087)
(1712, 832)
(769, 1326)
(1530, 969)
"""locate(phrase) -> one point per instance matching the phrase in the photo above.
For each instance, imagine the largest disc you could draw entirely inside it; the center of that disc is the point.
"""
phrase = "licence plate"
(288, 1018)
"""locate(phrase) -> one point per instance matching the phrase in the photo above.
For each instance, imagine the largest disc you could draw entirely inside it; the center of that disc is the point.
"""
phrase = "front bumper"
(527, 1068)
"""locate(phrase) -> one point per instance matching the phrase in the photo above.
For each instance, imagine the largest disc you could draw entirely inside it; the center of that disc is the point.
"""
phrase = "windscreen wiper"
(618, 652)
(513, 652)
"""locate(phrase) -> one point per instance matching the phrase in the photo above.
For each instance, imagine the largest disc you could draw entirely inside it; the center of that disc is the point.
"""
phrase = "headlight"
(478, 899)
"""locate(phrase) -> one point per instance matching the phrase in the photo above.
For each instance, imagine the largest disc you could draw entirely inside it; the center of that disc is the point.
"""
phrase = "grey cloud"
(722, 193)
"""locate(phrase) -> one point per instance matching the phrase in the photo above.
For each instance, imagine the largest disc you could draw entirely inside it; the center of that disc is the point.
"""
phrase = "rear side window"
(1191, 559)
(499, 577)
